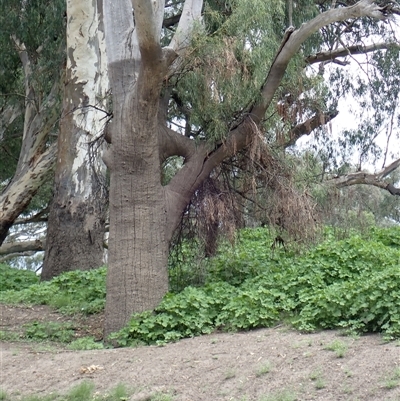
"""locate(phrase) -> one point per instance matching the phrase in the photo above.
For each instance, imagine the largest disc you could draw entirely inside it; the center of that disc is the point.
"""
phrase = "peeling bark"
(77, 213)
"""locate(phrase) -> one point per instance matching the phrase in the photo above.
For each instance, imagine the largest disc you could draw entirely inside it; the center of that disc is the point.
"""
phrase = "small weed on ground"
(393, 380)
(317, 378)
(337, 346)
(85, 344)
(85, 392)
(230, 374)
(264, 369)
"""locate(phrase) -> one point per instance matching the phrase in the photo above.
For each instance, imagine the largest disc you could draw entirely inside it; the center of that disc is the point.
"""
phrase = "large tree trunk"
(138, 238)
(77, 213)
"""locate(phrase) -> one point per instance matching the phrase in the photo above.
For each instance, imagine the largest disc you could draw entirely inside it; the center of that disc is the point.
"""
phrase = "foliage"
(85, 344)
(351, 284)
(71, 292)
(14, 279)
(49, 331)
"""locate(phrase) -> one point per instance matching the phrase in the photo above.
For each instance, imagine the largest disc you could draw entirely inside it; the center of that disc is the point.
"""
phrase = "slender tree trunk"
(77, 213)
(36, 161)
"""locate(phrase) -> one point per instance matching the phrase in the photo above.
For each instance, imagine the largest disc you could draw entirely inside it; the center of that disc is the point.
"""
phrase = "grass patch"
(338, 347)
(393, 380)
(85, 344)
(49, 331)
(264, 369)
(82, 392)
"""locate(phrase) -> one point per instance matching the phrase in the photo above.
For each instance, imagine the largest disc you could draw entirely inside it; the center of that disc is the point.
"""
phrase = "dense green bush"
(71, 292)
(15, 279)
(352, 284)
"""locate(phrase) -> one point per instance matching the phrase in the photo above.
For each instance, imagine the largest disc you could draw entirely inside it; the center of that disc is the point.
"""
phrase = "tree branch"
(7, 116)
(375, 180)
(308, 126)
(346, 51)
(148, 20)
(27, 246)
(191, 12)
(293, 41)
(39, 217)
(16, 255)
(171, 143)
(171, 21)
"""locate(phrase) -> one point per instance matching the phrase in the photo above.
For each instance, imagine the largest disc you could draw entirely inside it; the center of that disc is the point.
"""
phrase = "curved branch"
(375, 180)
(293, 41)
(171, 143)
(18, 194)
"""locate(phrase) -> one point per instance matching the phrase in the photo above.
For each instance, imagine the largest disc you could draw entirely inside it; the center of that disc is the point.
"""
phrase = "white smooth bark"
(121, 39)
(87, 70)
(191, 14)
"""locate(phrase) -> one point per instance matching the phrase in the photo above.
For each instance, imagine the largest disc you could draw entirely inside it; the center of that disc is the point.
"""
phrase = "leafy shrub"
(71, 292)
(49, 331)
(85, 344)
(192, 312)
(15, 279)
(352, 284)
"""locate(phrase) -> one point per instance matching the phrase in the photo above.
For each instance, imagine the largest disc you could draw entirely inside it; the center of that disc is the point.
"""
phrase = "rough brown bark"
(138, 239)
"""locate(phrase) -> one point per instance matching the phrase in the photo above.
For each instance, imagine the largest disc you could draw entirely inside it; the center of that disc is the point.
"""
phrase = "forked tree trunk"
(77, 214)
(143, 214)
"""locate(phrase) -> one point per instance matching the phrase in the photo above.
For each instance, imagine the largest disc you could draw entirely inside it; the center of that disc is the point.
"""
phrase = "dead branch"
(308, 126)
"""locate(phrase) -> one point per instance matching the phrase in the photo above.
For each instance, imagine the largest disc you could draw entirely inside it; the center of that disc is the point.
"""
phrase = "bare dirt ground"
(242, 366)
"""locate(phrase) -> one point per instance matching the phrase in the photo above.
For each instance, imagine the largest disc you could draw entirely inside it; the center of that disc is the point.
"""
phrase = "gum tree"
(30, 66)
(224, 76)
(77, 215)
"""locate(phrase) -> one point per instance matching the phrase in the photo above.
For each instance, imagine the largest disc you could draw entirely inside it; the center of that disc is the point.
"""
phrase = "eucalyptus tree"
(232, 75)
(76, 223)
(31, 42)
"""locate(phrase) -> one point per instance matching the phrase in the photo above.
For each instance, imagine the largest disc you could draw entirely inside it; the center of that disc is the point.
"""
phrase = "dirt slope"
(242, 366)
